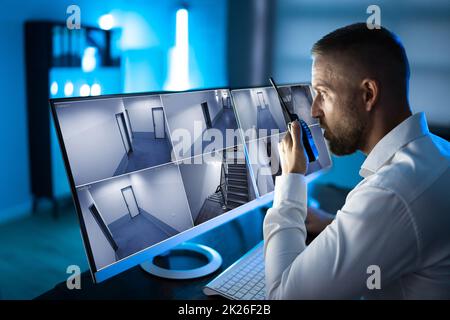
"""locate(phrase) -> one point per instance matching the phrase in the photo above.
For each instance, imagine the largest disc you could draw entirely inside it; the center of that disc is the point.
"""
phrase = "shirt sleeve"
(373, 228)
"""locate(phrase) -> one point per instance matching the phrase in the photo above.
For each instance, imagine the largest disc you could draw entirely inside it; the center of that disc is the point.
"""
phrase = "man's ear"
(371, 93)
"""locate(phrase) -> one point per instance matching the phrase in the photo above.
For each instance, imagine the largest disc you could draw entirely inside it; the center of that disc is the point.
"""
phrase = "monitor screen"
(263, 125)
(150, 171)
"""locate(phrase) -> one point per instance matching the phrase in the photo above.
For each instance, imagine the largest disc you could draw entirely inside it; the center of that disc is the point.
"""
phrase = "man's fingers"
(287, 141)
(296, 133)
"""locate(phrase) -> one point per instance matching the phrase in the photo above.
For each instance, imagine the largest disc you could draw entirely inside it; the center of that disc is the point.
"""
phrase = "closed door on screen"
(126, 139)
(158, 123)
(261, 100)
(130, 201)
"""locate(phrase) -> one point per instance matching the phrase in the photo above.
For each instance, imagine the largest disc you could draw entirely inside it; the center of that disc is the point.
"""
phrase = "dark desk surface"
(231, 240)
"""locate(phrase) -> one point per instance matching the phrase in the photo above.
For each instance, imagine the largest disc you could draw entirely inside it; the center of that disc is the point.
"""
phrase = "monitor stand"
(189, 254)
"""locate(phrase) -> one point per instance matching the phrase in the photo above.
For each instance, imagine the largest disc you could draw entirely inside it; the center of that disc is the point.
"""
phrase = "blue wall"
(149, 27)
(149, 32)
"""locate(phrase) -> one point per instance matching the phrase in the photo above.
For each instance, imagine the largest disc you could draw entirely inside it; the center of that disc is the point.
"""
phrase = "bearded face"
(344, 129)
(339, 107)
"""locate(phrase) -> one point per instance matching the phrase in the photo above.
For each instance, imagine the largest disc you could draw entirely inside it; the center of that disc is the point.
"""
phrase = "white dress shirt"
(397, 218)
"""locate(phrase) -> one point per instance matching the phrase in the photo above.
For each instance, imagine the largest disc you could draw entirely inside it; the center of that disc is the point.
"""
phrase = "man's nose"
(316, 112)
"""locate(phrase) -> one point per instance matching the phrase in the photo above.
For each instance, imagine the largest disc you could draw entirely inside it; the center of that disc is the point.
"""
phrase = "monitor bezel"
(104, 273)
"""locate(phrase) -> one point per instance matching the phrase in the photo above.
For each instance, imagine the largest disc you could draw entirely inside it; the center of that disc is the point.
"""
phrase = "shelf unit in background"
(50, 46)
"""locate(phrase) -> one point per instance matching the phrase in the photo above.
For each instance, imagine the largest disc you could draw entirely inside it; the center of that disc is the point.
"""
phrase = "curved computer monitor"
(150, 171)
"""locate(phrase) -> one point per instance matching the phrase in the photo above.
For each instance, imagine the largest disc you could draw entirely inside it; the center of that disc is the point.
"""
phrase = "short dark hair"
(378, 49)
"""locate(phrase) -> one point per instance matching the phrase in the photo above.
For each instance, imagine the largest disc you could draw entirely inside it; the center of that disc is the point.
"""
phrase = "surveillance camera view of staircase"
(233, 190)
(126, 214)
(134, 191)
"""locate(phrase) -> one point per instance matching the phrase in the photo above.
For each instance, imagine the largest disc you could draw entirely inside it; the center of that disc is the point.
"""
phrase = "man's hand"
(317, 220)
(292, 153)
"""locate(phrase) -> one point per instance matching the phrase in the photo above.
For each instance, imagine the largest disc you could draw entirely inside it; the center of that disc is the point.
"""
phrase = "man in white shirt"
(391, 239)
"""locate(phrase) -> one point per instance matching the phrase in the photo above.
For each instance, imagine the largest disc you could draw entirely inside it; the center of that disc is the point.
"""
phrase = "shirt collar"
(410, 129)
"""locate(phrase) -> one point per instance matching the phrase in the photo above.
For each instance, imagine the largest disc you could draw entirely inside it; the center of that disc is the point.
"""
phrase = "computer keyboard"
(243, 280)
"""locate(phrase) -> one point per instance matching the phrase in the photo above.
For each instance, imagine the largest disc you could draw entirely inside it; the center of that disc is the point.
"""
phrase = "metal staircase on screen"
(233, 188)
